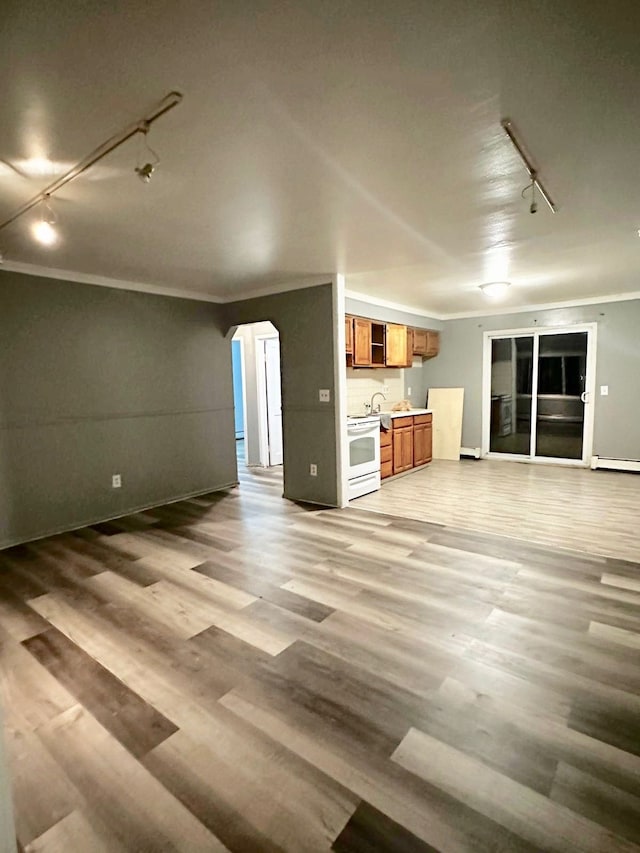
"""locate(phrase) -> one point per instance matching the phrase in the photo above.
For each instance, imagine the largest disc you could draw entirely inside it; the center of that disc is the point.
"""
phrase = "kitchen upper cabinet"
(397, 349)
(433, 344)
(419, 341)
(369, 343)
(409, 348)
(361, 342)
(348, 335)
(426, 342)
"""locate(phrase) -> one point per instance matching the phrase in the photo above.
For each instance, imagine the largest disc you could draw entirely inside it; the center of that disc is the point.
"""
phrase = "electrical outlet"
(385, 389)
(313, 470)
(604, 390)
(325, 395)
(408, 392)
(116, 481)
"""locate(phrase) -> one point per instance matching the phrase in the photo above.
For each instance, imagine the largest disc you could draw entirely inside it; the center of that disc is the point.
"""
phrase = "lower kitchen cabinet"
(402, 444)
(422, 440)
(406, 445)
(386, 454)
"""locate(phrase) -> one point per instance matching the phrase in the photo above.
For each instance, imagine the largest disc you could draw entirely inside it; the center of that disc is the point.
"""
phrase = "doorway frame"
(536, 331)
(261, 389)
(243, 374)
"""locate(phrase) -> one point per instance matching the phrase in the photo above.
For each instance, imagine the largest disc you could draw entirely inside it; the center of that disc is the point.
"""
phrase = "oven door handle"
(356, 430)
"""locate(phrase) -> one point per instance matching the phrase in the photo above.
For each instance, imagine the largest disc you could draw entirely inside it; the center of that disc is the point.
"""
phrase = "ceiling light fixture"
(495, 289)
(511, 132)
(145, 170)
(141, 126)
(43, 229)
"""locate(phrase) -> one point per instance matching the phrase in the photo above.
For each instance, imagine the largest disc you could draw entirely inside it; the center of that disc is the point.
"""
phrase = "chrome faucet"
(373, 396)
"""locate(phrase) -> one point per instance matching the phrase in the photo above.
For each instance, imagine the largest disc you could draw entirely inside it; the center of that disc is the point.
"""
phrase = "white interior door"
(274, 399)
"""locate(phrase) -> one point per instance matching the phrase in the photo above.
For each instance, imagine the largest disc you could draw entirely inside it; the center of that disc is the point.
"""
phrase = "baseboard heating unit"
(615, 464)
(472, 452)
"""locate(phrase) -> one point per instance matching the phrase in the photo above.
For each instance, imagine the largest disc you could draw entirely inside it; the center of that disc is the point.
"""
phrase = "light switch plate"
(313, 470)
(325, 395)
(604, 390)
(116, 481)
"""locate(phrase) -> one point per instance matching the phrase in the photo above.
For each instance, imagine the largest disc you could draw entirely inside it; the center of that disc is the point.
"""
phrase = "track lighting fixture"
(145, 170)
(44, 230)
(511, 132)
(533, 207)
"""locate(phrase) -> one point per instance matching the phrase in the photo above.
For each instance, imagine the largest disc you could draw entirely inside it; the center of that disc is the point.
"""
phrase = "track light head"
(146, 165)
(145, 172)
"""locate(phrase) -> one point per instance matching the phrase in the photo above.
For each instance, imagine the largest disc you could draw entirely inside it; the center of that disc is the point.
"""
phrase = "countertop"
(408, 414)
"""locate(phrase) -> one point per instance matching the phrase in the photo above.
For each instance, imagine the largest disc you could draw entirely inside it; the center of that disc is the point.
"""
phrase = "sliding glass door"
(538, 387)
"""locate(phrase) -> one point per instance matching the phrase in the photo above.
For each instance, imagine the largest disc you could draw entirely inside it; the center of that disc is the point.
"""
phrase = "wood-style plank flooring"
(236, 672)
(565, 507)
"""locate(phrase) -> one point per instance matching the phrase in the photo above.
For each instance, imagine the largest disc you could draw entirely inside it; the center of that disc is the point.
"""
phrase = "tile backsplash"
(361, 384)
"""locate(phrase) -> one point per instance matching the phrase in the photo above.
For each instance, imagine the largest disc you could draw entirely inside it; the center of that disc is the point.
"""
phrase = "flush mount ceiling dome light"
(495, 289)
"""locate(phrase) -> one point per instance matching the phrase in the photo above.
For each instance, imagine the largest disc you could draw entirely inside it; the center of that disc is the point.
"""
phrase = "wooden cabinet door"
(361, 342)
(419, 341)
(396, 355)
(407, 448)
(433, 344)
(428, 443)
(402, 449)
(348, 335)
(409, 362)
(419, 444)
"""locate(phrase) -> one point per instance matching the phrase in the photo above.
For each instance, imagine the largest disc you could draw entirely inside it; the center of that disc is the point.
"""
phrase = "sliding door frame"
(590, 386)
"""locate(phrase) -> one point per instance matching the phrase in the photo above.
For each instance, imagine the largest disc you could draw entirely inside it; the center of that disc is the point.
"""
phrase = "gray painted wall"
(7, 830)
(304, 319)
(96, 381)
(362, 308)
(617, 417)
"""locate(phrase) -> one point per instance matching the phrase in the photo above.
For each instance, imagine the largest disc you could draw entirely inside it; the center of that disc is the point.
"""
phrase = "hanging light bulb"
(44, 230)
(146, 166)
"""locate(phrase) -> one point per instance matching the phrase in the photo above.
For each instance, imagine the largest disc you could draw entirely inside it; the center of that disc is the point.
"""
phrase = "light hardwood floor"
(576, 508)
(236, 672)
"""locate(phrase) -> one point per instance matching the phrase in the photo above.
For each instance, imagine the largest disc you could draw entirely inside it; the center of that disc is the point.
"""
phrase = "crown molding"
(309, 281)
(272, 289)
(104, 281)
(395, 306)
(546, 306)
(159, 290)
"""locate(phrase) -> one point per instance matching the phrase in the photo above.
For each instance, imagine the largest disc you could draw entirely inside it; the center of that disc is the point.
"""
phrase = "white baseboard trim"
(615, 464)
(473, 452)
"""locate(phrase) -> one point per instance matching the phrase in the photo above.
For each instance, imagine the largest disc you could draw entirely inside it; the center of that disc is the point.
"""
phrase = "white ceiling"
(317, 137)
